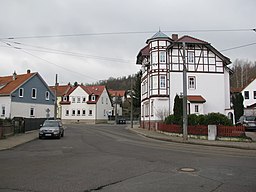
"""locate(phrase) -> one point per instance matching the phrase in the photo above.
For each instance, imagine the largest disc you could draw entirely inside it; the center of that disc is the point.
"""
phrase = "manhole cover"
(187, 169)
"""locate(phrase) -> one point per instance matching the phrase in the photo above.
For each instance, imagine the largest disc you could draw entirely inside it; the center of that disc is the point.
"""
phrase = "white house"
(161, 63)
(25, 95)
(118, 98)
(249, 94)
(87, 104)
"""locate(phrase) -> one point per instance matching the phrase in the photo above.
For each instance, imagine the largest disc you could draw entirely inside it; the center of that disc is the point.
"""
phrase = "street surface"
(111, 158)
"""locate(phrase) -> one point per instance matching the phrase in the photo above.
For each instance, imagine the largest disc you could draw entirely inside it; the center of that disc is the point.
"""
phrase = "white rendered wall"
(6, 102)
(23, 110)
(210, 86)
(251, 88)
(103, 106)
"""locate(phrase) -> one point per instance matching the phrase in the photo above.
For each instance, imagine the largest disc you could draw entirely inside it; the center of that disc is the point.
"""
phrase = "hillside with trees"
(244, 72)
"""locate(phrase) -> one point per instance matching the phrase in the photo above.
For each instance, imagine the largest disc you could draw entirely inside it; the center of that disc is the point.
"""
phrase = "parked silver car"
(249, 122)
(51, 128)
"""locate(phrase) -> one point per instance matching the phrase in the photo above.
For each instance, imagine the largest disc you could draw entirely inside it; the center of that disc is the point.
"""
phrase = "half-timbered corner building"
(161, 63)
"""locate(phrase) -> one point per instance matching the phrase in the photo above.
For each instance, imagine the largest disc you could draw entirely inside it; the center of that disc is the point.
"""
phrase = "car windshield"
(250, 118)
(51, 124)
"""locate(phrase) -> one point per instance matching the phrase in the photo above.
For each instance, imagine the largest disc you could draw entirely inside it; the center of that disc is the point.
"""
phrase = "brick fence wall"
(222, 131)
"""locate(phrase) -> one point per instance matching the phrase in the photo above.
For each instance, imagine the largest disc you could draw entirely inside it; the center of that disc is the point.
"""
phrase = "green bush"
(217, 119)
(172, 119)
(209, 119)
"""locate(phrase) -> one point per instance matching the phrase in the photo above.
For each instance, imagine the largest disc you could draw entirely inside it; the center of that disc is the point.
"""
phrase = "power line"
(128, 33)
(69, 53)
(238, 47)
(67, 69)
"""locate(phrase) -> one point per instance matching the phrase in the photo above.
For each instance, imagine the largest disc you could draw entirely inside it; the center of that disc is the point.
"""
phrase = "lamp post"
(185, 116)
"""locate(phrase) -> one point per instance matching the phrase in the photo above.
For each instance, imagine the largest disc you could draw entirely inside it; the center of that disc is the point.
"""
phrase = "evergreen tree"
(178, 109)
(238, 105)
(137, 91)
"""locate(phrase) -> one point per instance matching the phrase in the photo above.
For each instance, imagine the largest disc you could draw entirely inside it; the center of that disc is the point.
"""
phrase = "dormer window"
(93, 97)
(65, 98)
(21, 92)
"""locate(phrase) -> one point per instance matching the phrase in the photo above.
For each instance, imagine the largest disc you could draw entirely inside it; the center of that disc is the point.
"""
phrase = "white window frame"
(33, 90)
(162, 57)
(191, 82)
(83, 99)
(83, 112)
(93, 98)
(65, 98)
(246, 96)
(73, 99)
(191, 57)
(3, 111)
(21, 92)
(154, 59)
(67, 112)
(162, 81)
(78, 99)
(90, 113)
(47, 95)
(78, 113)
(196, 108)
(73, 112)
(32, 112)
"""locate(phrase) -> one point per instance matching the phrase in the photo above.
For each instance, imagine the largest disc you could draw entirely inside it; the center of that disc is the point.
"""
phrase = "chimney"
(175, 37)
(28, 71)
(14, 76)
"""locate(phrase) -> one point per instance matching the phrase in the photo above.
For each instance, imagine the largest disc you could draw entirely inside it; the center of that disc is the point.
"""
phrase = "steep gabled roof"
(118, 93)
(240, 89)
(189, 39)
(8, 85)
(93, 90)
(61, 89)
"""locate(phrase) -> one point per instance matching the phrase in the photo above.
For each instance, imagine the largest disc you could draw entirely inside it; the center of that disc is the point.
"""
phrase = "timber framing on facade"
(162, 64)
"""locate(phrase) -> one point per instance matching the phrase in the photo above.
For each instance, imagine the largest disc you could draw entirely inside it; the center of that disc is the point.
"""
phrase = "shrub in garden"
(209, 119)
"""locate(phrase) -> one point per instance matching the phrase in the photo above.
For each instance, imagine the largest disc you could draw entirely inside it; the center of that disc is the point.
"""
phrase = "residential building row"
(28, 96)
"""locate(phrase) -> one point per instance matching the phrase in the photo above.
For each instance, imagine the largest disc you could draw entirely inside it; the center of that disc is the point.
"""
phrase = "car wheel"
(62, 135)
(40, 137)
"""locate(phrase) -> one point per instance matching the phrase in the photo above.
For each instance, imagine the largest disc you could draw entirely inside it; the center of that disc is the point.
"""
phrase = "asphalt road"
(111, 158)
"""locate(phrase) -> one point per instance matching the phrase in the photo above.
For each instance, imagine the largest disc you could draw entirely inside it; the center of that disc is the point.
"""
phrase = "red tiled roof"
(96, 90)
(9, 85)
(61, 89)
(196, 99)
(189, 39)
(120, 93)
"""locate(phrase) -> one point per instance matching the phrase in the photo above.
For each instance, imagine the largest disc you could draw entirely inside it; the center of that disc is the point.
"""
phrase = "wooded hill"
(243, 72)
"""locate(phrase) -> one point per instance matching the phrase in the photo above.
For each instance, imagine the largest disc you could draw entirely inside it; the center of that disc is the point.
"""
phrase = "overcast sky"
(100, 54)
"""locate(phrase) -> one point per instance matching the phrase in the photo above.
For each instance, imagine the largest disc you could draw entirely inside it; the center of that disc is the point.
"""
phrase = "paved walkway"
(164, 137)
(18, 139)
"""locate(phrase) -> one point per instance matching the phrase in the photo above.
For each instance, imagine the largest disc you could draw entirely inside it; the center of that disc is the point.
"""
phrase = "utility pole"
(131, 103)
(185, 116)
(116, 108)
(55, 103)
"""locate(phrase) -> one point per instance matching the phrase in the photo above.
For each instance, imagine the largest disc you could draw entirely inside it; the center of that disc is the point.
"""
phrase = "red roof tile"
(196, 99)
(9, 85)
(61, 89)
(189, 39)
(120, 93)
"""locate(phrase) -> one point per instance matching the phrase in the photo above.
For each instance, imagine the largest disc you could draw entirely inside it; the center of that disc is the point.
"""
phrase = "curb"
(245, 146)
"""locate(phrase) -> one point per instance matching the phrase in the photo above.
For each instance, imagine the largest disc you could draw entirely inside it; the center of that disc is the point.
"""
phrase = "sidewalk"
(18, 139)
(164, 137)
